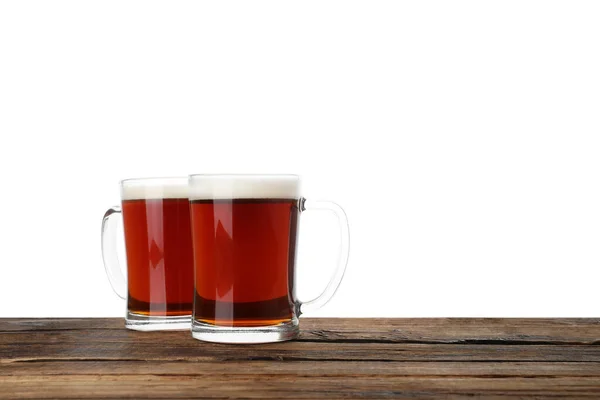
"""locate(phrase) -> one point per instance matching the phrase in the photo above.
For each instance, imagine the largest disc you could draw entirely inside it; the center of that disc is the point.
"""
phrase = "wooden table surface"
(333, 358)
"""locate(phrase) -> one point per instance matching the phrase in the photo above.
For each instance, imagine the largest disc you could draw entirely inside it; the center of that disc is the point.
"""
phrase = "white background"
(462, 138)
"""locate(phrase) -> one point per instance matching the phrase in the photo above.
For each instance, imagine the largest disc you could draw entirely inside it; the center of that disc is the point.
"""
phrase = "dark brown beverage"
(244, 255)
(159, 256)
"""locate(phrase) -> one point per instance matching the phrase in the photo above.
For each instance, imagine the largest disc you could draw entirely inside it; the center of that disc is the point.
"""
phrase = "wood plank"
(122, 344)
(292, 386)
(334, 358)
(303, 368)
(299, 352)
(454, 330)
(444, 330)
(58, 324)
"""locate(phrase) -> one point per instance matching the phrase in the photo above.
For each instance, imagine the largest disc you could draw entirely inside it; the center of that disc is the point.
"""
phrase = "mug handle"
(109, 252)
(338, 274)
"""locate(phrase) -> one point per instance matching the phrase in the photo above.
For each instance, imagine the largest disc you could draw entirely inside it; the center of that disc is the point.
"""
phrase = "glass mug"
(156, 222)
(244, 235)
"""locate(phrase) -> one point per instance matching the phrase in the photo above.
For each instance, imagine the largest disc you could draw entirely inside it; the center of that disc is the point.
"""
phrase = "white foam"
(154, 188)
(206, 187)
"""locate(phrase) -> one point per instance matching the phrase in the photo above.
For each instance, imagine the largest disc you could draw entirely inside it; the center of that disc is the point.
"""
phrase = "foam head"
(154, 188)
(207, 187)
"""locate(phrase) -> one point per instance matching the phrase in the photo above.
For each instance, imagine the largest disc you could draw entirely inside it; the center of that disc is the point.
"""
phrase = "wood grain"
(333, 358)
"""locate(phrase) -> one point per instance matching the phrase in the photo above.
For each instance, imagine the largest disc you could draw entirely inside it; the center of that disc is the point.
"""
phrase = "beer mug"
(156, 222)
(244, 238)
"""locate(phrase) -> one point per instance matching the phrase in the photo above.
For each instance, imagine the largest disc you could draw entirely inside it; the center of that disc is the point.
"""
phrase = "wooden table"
(354, 358)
